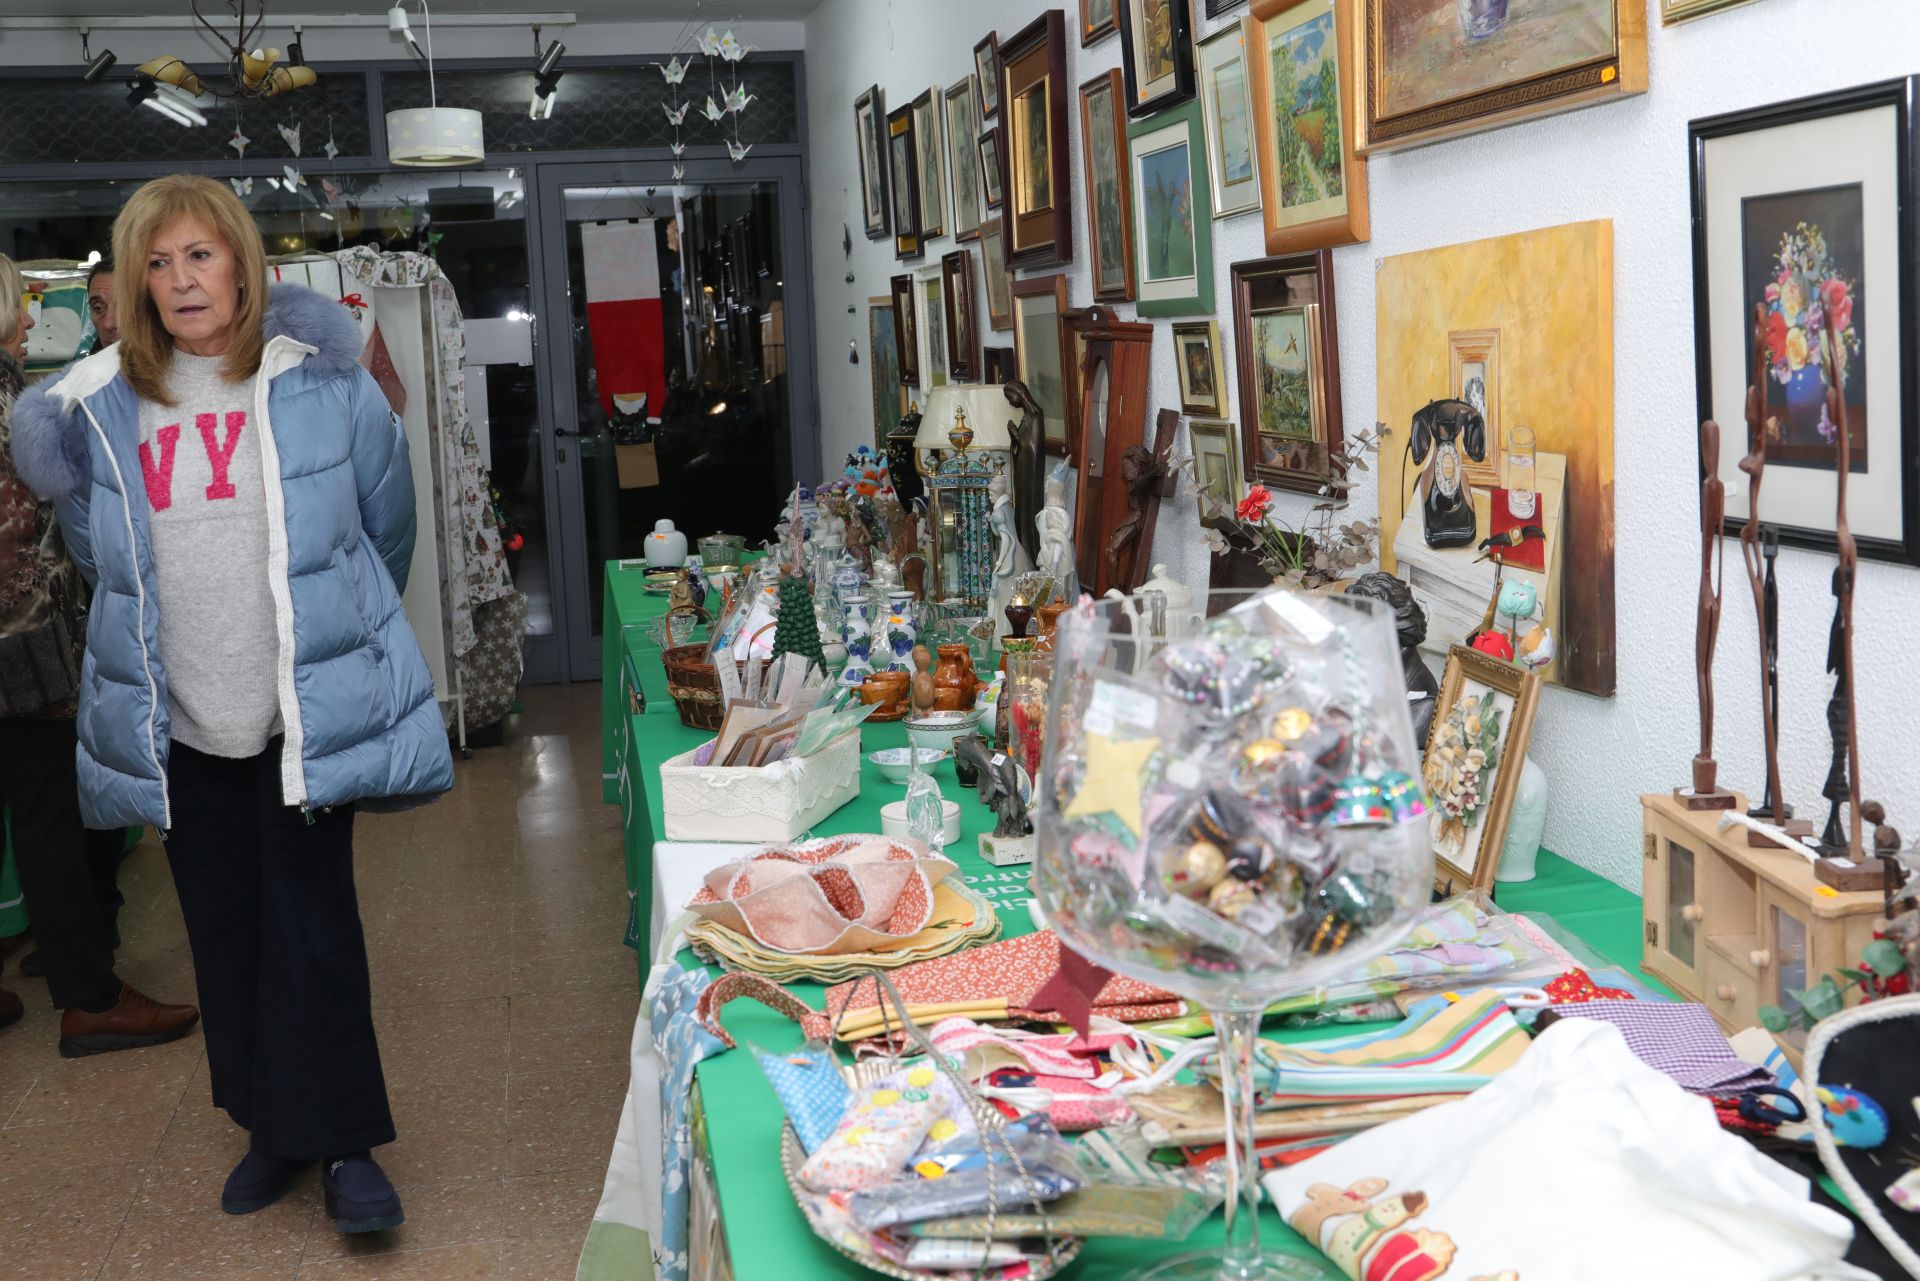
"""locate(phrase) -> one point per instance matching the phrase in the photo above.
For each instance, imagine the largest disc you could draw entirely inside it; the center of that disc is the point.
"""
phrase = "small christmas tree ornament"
(795, 629)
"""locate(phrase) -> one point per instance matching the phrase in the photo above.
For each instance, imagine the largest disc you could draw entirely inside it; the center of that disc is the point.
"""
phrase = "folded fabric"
(1576, 987)
(845, 894)
(1044, 1172)
(809, 1086)
(1195, 1115)
(1579, 1164)
(961, 917)
(1680, 1039)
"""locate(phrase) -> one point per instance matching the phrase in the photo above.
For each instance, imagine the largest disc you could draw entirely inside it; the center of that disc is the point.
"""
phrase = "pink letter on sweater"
(218, 456)
(160, 479)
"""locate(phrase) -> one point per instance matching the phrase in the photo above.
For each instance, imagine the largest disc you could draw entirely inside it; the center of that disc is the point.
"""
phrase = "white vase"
(666, 546)
(1526, 824)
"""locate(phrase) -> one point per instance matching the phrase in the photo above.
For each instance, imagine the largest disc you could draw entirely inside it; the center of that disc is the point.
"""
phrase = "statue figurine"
(1410, 621)
(922, 683)
(1141, 472)
(1055, 528)
(1000, 792)
(1834, 837)
(1006, 548)
(1029, 466)
(1706, 792)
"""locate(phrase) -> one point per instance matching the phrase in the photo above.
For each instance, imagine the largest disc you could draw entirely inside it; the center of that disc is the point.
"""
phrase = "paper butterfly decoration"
(732, 50)
(239, 143)
(292, 135)
(712, 112)
(710, 43)
(738, 98)
(738, 152)
(674, 70)
(675, 114)
(679, 172)
(242, 186)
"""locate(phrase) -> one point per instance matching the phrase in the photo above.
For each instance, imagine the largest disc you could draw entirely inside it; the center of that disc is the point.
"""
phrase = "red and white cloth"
(622, 265)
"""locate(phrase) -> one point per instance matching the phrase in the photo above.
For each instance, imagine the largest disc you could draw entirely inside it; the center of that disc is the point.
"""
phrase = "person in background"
(41, 622)
(239, 491)
(100, 303)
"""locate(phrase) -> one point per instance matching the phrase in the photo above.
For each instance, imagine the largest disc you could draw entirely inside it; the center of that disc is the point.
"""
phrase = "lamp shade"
(988, 413)
(432, 137)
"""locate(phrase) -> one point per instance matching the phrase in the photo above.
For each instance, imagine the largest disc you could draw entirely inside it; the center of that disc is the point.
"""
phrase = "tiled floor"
(504, 1000)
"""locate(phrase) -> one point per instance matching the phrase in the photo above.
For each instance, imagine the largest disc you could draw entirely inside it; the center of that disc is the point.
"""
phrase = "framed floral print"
(1216, 462)
(1173, 236)
(1285, 346)
(963, 333)
(1226, 109)
(1043, 354)
(1313, 183)
(1096, 20)
(1804, 212)
(1482, 725)
(869, 129)
(993, 270)
(931, 160)
(883, 343)
(906, 332)
(1156, 54)
(1033, 127)
(903, 167)
(1203, 377)
(1103, 152)
(993, 174)
(986, 69)
(963, 157)
(1432, 69)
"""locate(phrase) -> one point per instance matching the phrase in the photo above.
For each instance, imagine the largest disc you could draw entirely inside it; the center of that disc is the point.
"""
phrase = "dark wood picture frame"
(1108, 82)
(959, 302)
(993, 170)
(1217, 8)
(1260, 284)
(1180, 21)
(963, 150)
(930, 156)
(986, 69)
(906, 328)
(1903, 96)
(1092, 29)
(1052, 286)
(903, 174)
(873, 136)
(997, 365)
(1034, 62)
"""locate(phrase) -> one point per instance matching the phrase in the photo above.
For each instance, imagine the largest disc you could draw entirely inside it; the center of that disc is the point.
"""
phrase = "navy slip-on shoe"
(359, 1196)
(257, 1182)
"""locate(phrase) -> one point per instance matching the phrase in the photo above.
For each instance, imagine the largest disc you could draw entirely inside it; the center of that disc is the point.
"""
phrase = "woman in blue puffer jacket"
(237, 489)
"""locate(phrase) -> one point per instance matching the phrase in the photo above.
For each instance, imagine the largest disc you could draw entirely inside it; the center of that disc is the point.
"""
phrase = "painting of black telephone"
(1443, 428)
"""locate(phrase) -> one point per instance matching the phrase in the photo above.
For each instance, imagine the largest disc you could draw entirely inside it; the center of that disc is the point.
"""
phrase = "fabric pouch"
(883, 1126)
(809, 1086)
(1046, 1171)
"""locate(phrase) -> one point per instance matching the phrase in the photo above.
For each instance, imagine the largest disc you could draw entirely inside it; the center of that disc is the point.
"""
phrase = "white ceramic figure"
(1056, 535)
(1526, 824)
(1006, 554)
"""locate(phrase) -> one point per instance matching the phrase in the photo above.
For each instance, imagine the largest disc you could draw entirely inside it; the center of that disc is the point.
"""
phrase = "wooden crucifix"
(1146, 477)
(1706, 793)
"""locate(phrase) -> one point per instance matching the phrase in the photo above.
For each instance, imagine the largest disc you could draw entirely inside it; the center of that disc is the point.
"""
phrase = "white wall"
(1626, 161)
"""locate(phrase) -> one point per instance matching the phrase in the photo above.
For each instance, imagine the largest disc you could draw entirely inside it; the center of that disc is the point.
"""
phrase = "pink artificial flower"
(1773, 293)
(1254, 506)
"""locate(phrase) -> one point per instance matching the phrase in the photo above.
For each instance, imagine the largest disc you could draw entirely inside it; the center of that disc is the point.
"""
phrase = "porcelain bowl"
(895, 764)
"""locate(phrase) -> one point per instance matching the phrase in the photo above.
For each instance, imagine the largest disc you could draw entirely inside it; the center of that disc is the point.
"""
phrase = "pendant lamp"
(431, 137)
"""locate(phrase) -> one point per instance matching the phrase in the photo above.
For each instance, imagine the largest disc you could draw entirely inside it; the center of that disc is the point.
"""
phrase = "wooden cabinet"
(1736, 927)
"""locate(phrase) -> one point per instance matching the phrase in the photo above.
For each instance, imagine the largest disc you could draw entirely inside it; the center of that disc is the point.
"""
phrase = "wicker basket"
(695, 686)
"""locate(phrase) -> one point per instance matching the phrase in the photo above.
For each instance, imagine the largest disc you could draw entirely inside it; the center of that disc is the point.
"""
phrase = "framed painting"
(1033, 84)
(1313, 182)
(906, 332)
(903, 168)
(1103, 150)
(870, 140)
(932, 305)
(1485, 706)
(997, 365)
(1216, 462)
(1096, 20)
(963, 157)
(1203, 376)
(931, 160)
(1220, 8)
(1672, 11)
(1226, 109)
(1173, 236)
(1156, 53)
(993, 271)
(1435, 69)
(1043, 353)
(1473, 375)
(883, 367)
(1287, 370)
(986, 69)
(963, 333)
(1824, 247)
(993, 174)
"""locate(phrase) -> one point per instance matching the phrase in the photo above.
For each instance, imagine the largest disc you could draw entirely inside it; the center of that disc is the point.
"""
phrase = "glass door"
(683, 390)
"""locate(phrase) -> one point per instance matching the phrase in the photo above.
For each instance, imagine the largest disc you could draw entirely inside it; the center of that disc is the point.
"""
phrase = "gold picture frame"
(1201, 372)
(1216, 462)
(1297, 218)
(1475, 354)
(1674, 11)
(1515, 696)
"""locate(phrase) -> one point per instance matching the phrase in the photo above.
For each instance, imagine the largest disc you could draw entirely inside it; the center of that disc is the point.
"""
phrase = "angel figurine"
(1056, 535)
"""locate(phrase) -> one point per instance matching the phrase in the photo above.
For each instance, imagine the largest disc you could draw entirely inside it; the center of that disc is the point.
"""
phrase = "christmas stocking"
(623, 317)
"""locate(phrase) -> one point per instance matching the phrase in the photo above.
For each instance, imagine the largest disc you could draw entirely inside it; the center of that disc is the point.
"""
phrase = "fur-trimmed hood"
(49, 431)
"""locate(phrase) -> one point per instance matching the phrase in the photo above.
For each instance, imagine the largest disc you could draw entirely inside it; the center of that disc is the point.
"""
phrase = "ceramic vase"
(1526, 824)
(901, 632)
(859, 641)
(666, 546)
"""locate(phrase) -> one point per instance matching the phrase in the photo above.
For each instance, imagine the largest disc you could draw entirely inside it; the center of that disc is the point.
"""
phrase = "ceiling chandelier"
(170, 86)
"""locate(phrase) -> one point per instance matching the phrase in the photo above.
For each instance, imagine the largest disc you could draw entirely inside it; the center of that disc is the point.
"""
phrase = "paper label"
(729, 675)
(1262, 916)
(1114, 707)
(1197, 922)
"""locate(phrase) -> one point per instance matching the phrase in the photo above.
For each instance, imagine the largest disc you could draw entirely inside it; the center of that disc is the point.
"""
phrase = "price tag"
(1113, 707)
(729, 674)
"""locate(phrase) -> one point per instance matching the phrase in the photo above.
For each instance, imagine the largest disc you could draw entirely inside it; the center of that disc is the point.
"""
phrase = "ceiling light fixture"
(546, 78)
(434, 137)
(96, 67)
(296, 54)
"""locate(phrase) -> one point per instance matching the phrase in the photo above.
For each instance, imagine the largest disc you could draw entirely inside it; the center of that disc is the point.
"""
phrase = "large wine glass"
(1229, 808)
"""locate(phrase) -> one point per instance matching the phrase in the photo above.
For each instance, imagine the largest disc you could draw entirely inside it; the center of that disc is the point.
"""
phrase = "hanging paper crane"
(292, 136)
(732, 50)
(673, 69)
(737, 99)
(738, 152)
(712, 112)
(675, 114)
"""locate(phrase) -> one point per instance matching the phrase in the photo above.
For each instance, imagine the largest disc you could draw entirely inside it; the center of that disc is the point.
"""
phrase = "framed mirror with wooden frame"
(1287, 358)
(1043, 356)
(1103, 154)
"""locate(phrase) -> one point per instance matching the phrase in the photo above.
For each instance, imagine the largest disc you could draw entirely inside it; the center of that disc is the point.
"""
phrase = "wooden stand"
(1731, 926)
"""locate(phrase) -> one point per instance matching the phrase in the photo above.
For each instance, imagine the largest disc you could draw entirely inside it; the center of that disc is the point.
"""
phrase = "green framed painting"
(1172, 212)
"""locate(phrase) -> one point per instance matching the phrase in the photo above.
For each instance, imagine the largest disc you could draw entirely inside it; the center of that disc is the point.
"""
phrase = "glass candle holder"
(1522, 493)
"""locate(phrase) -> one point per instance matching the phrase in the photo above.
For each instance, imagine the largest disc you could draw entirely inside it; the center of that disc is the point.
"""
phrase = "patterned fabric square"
(809, 1086)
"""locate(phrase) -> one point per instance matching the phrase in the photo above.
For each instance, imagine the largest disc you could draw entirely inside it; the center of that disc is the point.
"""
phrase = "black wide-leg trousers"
(279, 957)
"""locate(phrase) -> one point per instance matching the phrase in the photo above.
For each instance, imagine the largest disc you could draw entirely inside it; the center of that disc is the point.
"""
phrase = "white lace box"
(777, 802)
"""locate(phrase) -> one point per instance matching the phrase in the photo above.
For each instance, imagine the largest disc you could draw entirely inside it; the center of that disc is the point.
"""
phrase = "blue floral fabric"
(680, 1042)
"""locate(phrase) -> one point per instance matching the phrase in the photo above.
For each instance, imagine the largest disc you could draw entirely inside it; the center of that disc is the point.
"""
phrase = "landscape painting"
(1283, 372)
(884, 369)
(1305, 88)
(1110, 258)
(1165, 182)
(1434, 51)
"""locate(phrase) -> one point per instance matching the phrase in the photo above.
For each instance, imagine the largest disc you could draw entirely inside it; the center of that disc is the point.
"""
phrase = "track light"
(139, 89)
(549, 60)
(296, 56)
(546, 79)
(96, 67)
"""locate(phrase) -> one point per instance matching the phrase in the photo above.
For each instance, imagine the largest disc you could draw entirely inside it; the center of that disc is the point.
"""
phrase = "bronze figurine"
(1029, 488)
(1706, 792)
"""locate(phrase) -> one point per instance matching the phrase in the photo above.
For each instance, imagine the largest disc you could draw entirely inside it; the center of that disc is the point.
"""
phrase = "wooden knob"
(1692, 912)
(1725, 992)
(1761, 958)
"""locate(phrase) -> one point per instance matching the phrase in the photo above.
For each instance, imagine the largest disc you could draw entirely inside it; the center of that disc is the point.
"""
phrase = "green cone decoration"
(795, 630)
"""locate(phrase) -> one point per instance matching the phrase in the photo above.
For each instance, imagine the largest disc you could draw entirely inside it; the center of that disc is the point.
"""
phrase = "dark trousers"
(40, 785)
(279, 958)
(106, 851)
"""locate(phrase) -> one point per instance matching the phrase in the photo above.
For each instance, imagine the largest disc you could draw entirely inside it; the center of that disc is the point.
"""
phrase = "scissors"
(1753, 1105)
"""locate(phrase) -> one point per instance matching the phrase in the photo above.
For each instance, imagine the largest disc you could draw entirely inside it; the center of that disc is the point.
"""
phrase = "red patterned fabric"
(1576, 987)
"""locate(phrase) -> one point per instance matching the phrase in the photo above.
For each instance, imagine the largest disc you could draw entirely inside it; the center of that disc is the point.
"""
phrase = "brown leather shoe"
(10, 1008)
(136, 1020)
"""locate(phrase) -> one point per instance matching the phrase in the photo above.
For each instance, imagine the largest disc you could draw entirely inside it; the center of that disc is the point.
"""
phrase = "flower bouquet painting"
(1460, 767)
(1804, 255)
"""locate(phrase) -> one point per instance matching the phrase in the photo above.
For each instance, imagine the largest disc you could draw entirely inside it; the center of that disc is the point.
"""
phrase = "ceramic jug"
(954, 681)
(666, 546)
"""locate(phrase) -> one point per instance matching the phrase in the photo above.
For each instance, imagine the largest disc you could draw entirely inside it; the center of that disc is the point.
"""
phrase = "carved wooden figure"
(1706, 793)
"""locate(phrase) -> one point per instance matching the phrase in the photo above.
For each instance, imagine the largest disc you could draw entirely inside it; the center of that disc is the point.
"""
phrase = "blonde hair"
(146, 349)
(13, 288)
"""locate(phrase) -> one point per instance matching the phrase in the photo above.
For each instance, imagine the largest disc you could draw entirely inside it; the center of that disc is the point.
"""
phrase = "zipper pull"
(306, 812)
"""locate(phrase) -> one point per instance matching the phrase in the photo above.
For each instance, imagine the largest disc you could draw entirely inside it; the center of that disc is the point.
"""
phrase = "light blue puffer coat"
(355, 695)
